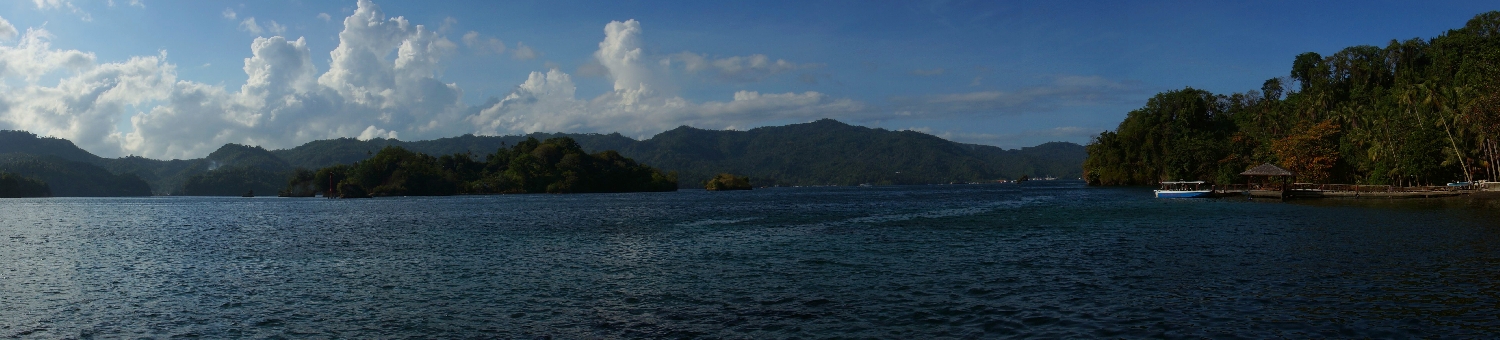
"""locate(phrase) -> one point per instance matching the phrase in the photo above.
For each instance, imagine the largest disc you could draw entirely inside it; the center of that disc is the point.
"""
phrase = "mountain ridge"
(821, 152)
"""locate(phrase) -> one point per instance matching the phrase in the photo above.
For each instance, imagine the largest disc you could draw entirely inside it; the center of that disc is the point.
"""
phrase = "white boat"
(1193, 189)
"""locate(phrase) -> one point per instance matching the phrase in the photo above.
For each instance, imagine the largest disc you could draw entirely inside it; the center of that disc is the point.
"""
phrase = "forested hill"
(816, 153)
(323, 153)
(831, 152)
(22, 142)
(1410, 112)
(68, 178)
(65, 168)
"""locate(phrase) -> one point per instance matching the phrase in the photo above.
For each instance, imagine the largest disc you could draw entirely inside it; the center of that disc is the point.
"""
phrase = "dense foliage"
(324, 153)
(1412, 112)
(161, 177)
(233, 181)
(233, 170)
(68, 178)
(830, 152)
(557, 165)
(22, 142)
(727, 181)
(17, 186)
(301, 183)
(816, 153)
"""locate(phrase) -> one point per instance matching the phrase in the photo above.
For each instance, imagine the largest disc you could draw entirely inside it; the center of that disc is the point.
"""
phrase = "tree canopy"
(67, 178)
(17, 186)
(727, 181)
(815, 153)
(556, 165)
(1411, 112)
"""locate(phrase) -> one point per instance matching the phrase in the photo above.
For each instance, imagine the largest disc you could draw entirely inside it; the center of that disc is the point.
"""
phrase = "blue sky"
(169, 79)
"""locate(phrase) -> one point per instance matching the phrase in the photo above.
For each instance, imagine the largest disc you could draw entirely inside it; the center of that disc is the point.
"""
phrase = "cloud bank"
(384, 81)
(640, 102)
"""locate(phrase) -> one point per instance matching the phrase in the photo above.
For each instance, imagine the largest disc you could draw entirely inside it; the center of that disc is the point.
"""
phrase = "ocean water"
(1042, 259)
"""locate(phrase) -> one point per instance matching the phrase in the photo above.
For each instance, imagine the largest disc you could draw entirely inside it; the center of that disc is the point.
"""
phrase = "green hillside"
(822, 152)
(17, 186)
(1410, 112)
(235, 170)
(22, 142)
(164, 176)
(68, 178)
(324, 153)
(831, 152)
(557, 165)
(816, 153)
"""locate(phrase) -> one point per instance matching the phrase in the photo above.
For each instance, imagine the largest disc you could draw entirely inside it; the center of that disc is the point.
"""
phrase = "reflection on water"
(1043, 259)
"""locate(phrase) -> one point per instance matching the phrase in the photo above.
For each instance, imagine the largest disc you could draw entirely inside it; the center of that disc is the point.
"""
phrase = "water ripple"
(972, 261)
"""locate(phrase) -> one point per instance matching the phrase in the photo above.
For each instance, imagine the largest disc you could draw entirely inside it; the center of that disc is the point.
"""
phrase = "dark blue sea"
(1041, 259)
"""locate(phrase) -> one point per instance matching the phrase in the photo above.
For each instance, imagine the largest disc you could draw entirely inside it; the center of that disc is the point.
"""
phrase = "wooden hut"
(1267, 172)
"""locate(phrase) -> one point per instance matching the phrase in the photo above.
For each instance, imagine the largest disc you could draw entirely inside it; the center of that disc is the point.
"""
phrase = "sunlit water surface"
(1041, 259)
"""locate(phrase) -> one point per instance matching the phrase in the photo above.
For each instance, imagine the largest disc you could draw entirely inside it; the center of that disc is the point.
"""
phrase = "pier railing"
(1340, 187)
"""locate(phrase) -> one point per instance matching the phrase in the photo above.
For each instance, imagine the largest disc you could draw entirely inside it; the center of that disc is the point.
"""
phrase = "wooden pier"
(1308, 190)
(1270, 187)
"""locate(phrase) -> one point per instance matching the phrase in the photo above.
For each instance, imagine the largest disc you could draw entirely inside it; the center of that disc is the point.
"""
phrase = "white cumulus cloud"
(33, 57)
(86, 102)
(382, 81)
(373, 132)
(63, 4)
(639, 104)
(621, 54)
(7, 31)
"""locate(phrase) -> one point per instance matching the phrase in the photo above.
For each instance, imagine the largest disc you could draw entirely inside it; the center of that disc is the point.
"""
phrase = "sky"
(178, 79)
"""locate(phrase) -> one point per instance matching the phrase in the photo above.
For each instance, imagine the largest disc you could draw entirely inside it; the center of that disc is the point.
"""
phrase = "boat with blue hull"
(1193, 189)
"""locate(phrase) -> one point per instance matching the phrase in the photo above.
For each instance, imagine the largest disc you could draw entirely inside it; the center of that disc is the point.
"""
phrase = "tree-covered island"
(1415, 112)
(556, 165)
(727, 182)
(17, 186)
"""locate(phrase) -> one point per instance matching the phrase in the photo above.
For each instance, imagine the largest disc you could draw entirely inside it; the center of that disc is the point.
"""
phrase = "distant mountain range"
(818, 153)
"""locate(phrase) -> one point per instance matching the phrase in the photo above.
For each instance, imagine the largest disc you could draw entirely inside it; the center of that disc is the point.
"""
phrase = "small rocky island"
(556, 165)
(726, 181)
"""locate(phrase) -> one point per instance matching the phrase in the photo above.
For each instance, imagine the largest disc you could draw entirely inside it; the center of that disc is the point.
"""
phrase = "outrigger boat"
(1192, 189)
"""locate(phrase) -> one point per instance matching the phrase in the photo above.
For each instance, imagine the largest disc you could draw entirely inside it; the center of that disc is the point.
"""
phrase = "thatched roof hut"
(1266, 170)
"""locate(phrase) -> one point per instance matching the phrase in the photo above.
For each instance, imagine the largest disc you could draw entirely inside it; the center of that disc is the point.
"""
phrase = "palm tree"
(1444, 100)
